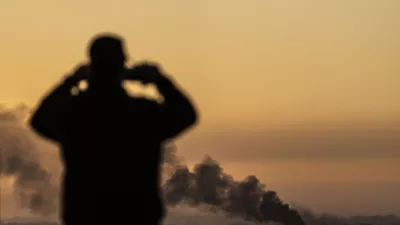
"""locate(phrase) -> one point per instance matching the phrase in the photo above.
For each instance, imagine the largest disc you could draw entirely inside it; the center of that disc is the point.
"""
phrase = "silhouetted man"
(111, 143)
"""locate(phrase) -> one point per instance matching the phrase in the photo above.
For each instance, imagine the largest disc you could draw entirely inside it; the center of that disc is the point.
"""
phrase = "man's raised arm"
(49, 117)
(176, 113)
(179, 112)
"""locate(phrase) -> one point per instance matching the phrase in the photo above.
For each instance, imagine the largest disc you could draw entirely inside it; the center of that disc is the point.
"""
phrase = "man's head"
(107, 57)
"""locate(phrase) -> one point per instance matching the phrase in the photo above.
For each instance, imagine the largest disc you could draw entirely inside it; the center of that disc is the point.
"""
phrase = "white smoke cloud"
(25, 166)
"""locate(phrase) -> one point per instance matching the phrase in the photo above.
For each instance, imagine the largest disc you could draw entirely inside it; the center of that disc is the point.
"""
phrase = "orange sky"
(250, 66)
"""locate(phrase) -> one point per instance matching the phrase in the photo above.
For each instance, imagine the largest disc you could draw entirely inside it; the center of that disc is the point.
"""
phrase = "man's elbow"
(34, 123)
(39, 126)
(44, 131)
(195, 118)
(192, 118)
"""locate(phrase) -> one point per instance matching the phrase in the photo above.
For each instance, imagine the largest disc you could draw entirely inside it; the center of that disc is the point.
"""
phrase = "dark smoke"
(209, 185)
(20, 160)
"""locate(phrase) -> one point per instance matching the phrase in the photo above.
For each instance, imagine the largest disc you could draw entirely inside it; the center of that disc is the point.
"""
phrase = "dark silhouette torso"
(111, 143)
(111, 152)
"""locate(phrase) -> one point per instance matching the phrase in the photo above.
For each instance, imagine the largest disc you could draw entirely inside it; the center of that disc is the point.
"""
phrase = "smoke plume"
(20, 160)
(209, 185)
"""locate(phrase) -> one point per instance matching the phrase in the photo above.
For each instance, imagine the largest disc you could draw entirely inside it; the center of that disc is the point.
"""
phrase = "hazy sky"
(253, 65)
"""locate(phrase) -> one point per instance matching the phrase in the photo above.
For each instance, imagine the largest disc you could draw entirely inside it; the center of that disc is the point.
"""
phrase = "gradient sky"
(261, 72)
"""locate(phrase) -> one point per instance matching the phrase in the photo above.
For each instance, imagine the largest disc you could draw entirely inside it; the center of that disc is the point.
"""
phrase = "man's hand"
(81, 73)
(147, 73)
